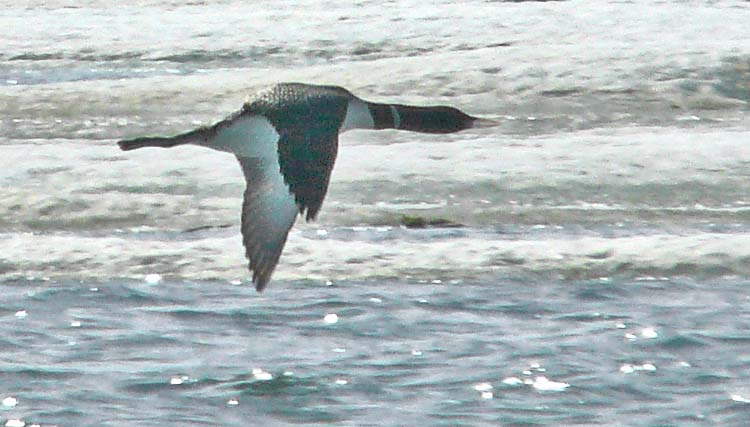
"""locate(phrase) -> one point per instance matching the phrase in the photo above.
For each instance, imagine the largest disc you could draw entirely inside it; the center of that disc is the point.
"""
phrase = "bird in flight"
(286, 139)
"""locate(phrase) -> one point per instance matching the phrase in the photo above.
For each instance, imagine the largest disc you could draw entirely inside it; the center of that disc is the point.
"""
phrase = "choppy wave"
(201, 352)
(362, 253)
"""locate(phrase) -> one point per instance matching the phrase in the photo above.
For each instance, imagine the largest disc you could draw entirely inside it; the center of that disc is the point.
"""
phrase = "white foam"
(222, 256)
(10, 401)
(178, 380)
(261, 375)
(629, 368)
(512, 381)
(543, 384)
(483, 387)
(152, 278)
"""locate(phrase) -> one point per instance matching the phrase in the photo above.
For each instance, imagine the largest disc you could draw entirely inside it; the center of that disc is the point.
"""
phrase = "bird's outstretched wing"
(308, 123)
(306, 158)
(277, 190)
(268, 212)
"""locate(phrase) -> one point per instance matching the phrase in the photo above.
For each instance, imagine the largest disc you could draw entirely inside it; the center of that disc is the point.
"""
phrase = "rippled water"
(397, 352)
(591, 267)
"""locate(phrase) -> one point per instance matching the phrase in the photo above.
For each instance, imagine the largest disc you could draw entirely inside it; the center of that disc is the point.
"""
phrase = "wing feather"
(306, 160)
(308, 119)
(268, 213)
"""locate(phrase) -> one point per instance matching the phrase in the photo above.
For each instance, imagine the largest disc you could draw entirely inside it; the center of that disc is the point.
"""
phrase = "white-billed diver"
(286, 140)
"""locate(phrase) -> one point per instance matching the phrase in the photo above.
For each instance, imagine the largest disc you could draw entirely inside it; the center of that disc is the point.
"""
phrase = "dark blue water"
(664, 352)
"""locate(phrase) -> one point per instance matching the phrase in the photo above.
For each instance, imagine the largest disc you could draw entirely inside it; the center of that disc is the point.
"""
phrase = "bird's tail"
(193, 137)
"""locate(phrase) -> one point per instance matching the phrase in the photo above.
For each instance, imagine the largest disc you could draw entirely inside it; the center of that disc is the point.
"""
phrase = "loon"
(286, 139)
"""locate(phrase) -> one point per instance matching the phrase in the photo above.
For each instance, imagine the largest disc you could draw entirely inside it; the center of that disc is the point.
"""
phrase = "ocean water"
(589, 262)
